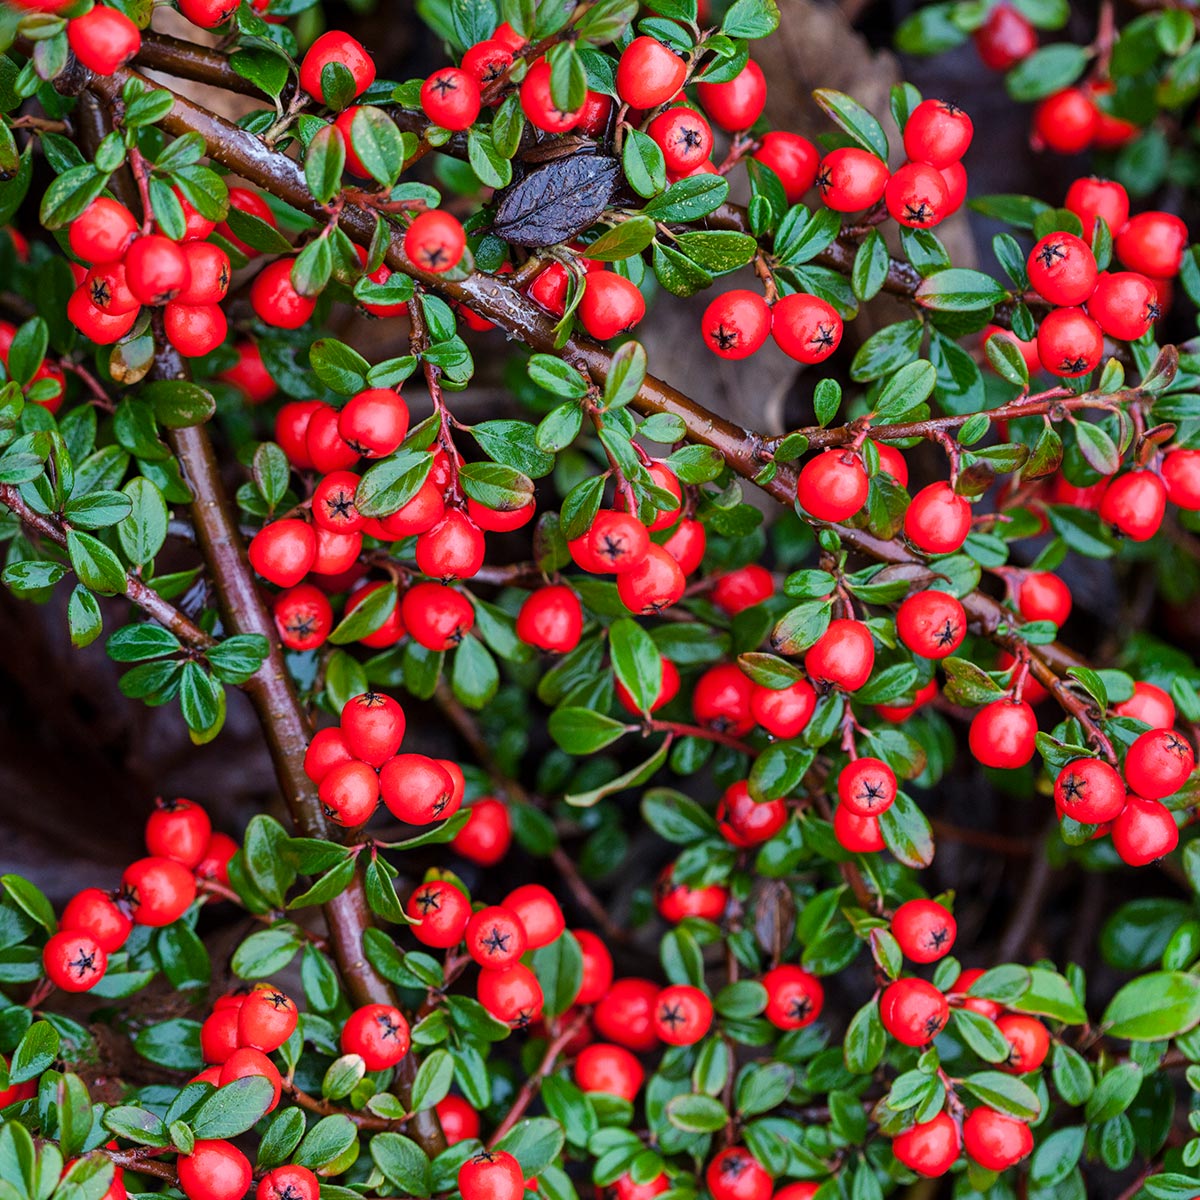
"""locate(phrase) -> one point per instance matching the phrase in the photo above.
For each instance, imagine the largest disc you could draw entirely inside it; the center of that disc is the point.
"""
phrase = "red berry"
(1090, 198)
(157, 891)
(246, 1062)
(1152, 243)
(735, 1174)
(103, 39)
(683, 136)
(1029, 1039)
(1149, 704)
(537, 102)
(491, 1175)
(597, 967)
(1134, 505)
(676, 901)
(459, 1121)
(435, 241)
(276, 301)
(374, 422)
(994, 1140)
(937, 133)
(289, 1182)
(282, 552)
(924, 929)
(1062, 268)
(214, 1170)
(1002, 733)
(682, 1015)
(94, 912)
(436, 616)
(618, 540)
(1124, 304)
(736, 324)
(665, 480)
(842, 657)
(333, 505)
(1069, 343)
(595, 113)
(538, 912)
(373, 726)
(805, 327)
(208, 14)
(611, 304)
(453, 548)
(442, 913)
(74, 961)
(930, 1147)
(913, 1012)
(451, 98)
(349, 794)
(551, 619)
(931, 624)
(291, 428)
(336, 47)
(178, 829)
(955, 179)
(487, 835)
(626, 1014)
(1065, 122)
(218, 1036)
(106, 289)
(327, 750)
(499, 520)
(1144, 832)
(217, 854)
(378, 1034)
(417, 789)
(721, 700)
(303, 616)
(495, 937)
(649, 74)
(487, 61)
(743, 588)
(612, 1070)
(1158, 763)
(738, 103)
(794, 159)
(1042, 596)
(1090, 791)
(1005, 38)
(1181, 478)
(103, 231)
(866, 786)
(156, 269)
(687, 544)
(266, 1019)
(833, 486)
(794, 997)
(656, 583)
(745, 821)
(901, 712)
(892, 462)
(208, 283)
(512, 995)
(783, 712)
(916, 196)
(960, 987)
(851, 180)
(195, 329)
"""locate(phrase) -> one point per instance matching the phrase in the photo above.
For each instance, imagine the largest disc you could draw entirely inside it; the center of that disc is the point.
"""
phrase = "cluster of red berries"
(154, 891)
(610, 303)
(188, 279)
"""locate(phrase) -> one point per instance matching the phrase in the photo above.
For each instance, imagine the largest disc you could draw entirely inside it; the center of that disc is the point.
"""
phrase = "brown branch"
(326, 1108)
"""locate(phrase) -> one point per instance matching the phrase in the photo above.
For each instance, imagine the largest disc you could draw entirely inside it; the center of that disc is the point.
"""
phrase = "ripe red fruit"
(851, 180)
(618, 540)
(937, 133)
(103, 231)
(794, 997)
(276, 301)
(916, 196)
(858, 834)
(349, 794)
(178, 829)
(551, 619)
(682, 1015)
(742, 588)
(721, 700)
(266, 1019)
(1090, 791)
(931, 1147)
(794, 159)
(665, 480)
(1134, 505)
(156, 269)
(250, 374)
(1029, 1039)
(373, 726)
(931, 624)
(994, 1140)
(336, 47)
(215, 1170)
(1149, 704)
(612, 1070)
(106, 289)
(495, 937)
(676, 901)
(451, 98)
(303, 616)
(866, 786)
(1090, 198)
(103, 39)
(955, 178)
(597, 967)
(594, 115)
(459, 1121)
(1124, 304)
(626, 1014)
(1042, 596)
(833, 486)
(736, 324)
(1181, 478)
(783, 712)
(735, 1174)
(684, 137)
(539, 914)
(289, 1182)
(327, 750)
(453, 548)
(1152, 243)
(668, 689)
(208, 14)
(74, 961)
(486, 61)
(491, 1175)
(961, 986)
(442, 912)
(1005, 38)
(195, 329)
(938, 520)
(649, 74)
(218, 1036)
(378, 1034)
(1158, 763)
(246, 1062)
(499, 520)
(611, 304)
(1065, 122)
(913, 1012)
(538, 105)
(1144, 832)
(392, 629)
(217, 854)
(892, 462)
(745, 821)
(157, 891)
(738, 103)
(805, 327)
(416, 789)
(291, 429)
(436, 616)
(94, 912)
(1069, 343)
(333, 504)
(435, 241)
(487, 835)
(842, 657)
(924, 929)
(513, 995)
(1002, 733)
(687, 544)
(656, 583)
(374, 422)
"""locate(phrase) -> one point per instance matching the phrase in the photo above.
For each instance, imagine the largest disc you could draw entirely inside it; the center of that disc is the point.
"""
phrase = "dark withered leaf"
(556, 200)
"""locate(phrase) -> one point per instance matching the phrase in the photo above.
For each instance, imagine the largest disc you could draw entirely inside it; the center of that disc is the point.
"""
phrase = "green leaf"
(582, 730)
(95, 564)
(559, 969)
(690, 198)
(378, 144)
(1003, 1092)
(34, 1053)
(233, 1108)
(695, 1113)
(1047, 70)
(751, 19)
(958, 289)
(324, 161)
(1160, 1005)
(854, 120)
(624, 240)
